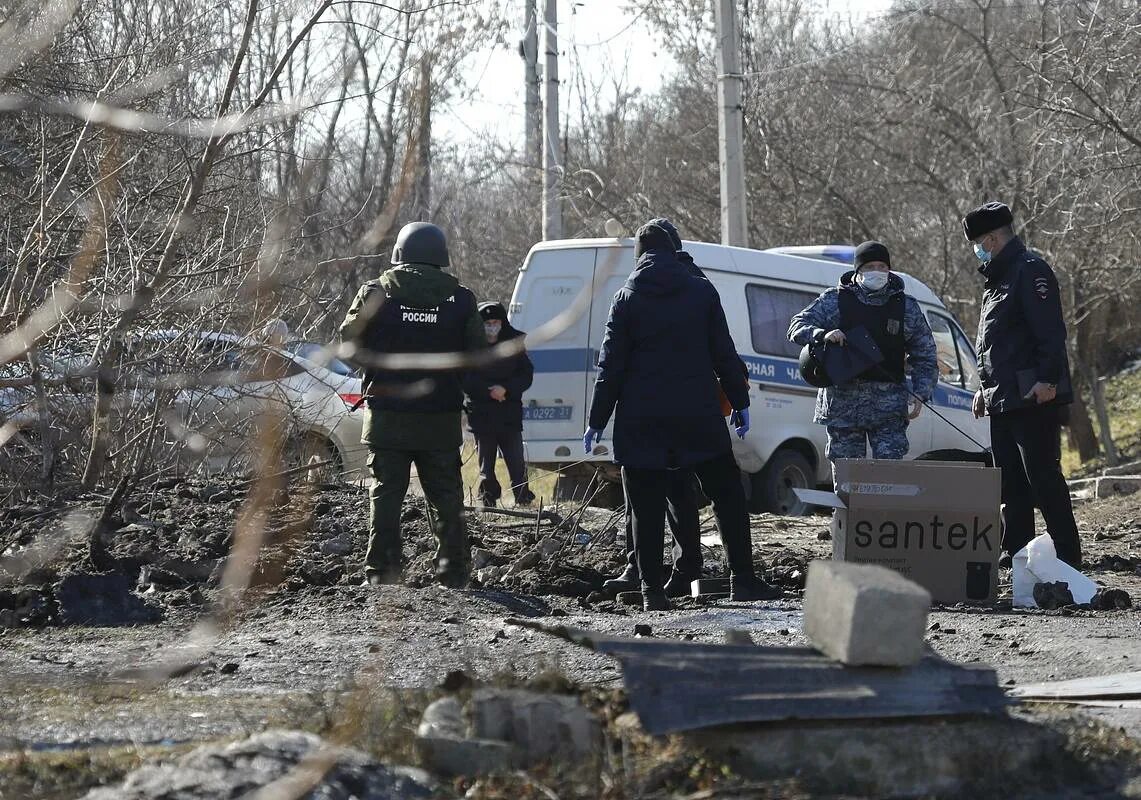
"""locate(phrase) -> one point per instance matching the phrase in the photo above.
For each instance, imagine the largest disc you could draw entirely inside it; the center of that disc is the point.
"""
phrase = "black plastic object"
(978, 580)
(812, 365)
(857, 355)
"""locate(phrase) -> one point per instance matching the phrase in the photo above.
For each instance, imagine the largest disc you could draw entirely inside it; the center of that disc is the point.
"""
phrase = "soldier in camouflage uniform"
(874, 407)
(413, 417)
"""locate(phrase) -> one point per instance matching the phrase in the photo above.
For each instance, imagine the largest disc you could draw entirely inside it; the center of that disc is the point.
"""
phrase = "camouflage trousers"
(439, 473)
(888, 440)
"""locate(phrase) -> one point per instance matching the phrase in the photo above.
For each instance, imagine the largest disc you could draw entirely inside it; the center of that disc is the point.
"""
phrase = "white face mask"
(872, 281)
(491, 328)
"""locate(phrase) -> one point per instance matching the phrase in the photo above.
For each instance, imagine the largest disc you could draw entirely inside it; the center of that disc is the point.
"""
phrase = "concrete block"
(539, 725)
(1109, 487)
(447, 755)
(444, 717)
(865, 615)
(444, 747)
(971, 757)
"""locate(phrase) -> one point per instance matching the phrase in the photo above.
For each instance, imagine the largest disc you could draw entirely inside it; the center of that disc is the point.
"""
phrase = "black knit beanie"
(869, 252)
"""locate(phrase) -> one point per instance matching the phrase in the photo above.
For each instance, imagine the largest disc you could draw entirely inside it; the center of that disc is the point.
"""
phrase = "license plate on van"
(548, 413)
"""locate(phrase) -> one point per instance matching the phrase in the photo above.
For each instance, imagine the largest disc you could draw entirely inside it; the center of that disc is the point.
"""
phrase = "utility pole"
(730, 126)
(423, 203)
(529, 50)
(552, 174)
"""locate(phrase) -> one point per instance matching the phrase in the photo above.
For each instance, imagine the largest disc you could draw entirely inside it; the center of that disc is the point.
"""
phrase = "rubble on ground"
(277, 763)
(172, 539)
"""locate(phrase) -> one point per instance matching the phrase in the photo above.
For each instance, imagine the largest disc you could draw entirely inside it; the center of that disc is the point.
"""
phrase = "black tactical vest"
(885, 324)
(399, 328)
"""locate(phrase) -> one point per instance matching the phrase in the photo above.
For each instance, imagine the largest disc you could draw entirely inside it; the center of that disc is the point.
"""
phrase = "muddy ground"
(309, 647)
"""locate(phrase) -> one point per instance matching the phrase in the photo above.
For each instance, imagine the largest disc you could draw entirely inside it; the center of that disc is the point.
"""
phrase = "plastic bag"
(1038, 562)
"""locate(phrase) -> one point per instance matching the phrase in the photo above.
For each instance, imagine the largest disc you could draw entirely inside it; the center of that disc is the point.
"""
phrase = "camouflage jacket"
(863, 403)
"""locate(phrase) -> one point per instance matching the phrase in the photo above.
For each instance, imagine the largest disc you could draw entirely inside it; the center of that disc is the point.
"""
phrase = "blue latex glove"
(740, 420)
(592, 434)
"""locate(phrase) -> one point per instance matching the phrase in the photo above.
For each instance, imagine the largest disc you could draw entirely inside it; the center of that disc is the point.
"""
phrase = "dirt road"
(299, 653)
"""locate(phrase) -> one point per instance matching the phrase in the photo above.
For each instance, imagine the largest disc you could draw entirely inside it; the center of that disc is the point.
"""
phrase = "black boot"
(677, 585)
(388, 576)
(749, 589)
(628, 581)
(453, 577)
(655, 601)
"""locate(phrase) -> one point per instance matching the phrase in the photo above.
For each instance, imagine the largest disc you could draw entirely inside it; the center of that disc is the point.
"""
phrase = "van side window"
(956, 360)
(770, 311)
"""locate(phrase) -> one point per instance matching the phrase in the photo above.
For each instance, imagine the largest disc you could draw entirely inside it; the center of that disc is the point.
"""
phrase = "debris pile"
(277, 763)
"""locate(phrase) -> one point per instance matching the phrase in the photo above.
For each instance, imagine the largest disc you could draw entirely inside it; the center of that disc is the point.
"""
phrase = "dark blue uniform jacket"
(1022, 334)
(665, 337)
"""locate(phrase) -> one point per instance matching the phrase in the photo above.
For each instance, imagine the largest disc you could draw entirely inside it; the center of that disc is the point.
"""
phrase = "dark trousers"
(1027, 448)
(510, 444)
(681, 514)
(439, 474)
(720, 480)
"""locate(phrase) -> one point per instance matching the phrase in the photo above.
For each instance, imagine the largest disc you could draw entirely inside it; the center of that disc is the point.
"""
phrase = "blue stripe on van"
(568, 359)
(762, 369)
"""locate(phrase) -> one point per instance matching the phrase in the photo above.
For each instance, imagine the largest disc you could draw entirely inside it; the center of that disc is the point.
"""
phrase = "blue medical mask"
(980, 254)
(873, 281)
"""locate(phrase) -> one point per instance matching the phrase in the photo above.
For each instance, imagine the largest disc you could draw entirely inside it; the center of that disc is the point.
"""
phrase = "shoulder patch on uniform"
(1042, 287)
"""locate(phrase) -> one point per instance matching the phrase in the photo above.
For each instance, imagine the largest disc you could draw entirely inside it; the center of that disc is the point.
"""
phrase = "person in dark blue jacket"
(495, 410)
(681, 499)
(1025, 381)
(666, 337)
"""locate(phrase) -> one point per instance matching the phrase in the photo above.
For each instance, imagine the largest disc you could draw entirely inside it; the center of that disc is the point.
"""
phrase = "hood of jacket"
(419, 285)
(658, 273)
(686, 260)
(894, 287)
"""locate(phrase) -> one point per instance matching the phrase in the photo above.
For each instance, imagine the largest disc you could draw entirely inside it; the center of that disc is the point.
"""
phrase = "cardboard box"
(934, 522)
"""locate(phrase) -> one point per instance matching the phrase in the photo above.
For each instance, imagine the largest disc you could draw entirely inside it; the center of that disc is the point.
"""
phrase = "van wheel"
(786, 470)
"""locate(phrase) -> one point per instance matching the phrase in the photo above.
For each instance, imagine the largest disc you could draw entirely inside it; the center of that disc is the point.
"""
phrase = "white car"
(229, 381)
(760, 291)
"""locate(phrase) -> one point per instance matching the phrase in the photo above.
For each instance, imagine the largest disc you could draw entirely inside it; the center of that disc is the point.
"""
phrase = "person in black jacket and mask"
(495, 410)
(1025, 379)
(666, 338)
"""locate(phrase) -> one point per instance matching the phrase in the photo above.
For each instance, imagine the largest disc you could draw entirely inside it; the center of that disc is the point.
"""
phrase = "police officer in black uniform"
(1025, 381)
(413, 417)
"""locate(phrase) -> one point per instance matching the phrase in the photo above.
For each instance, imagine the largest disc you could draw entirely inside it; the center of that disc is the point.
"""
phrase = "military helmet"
(421, 243)
(812, 365)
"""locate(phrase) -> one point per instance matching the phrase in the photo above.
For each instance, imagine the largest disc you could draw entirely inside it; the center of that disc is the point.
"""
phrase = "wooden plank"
(1121, 685)
(677, 685)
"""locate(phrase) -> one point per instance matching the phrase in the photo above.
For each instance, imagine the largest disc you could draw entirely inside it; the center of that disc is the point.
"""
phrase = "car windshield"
(313, 352)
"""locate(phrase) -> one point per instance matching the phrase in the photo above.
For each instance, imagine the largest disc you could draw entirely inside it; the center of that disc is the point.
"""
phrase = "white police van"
(761, 291)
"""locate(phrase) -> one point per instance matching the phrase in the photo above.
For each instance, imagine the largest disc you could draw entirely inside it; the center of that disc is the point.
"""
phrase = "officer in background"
(876, 406)
(1025, 381)
(413, 417)
(666, 345)
(495, 410)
